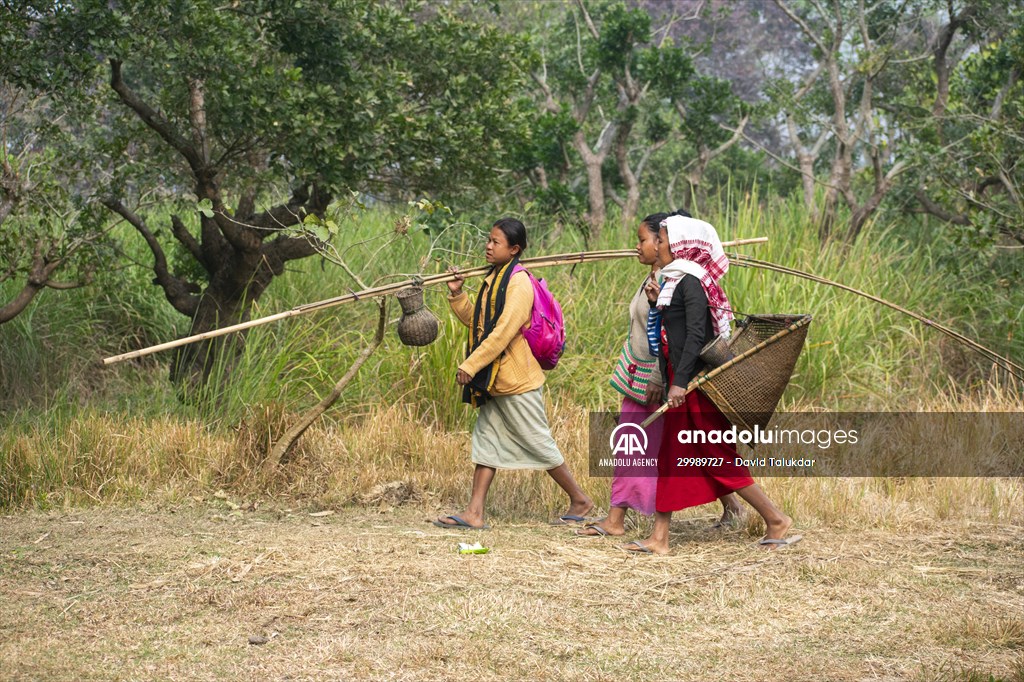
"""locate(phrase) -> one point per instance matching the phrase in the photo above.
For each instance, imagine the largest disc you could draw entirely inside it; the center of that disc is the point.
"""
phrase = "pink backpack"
(546, 335)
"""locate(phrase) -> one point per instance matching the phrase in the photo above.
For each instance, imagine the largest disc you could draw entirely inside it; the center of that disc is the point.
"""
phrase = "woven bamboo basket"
(747, 389)
(418, 326)
(717, 352)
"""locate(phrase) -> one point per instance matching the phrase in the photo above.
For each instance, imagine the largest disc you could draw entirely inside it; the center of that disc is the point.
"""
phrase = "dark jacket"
(688, 326)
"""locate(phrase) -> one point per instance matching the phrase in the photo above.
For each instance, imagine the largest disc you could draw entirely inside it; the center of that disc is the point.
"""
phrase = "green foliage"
(858, 355)
(340, 91)
(387, 100)
(622, 30)
(966, 162)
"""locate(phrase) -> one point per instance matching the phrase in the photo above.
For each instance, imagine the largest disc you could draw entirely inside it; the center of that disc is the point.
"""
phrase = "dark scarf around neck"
(490, 302)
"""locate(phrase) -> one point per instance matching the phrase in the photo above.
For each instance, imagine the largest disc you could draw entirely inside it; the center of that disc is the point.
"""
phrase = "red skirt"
(682, 486)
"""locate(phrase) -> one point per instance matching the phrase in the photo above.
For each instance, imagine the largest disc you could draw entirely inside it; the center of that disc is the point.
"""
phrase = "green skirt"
(512, 432)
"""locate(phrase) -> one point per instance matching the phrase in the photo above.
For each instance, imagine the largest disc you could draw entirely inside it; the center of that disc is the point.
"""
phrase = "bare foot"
(601, 528)
(580, 507)
(577, 513)
(647, 546)
(731, 520)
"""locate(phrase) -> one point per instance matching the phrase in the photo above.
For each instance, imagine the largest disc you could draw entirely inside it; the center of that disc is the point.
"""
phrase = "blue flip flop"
(599, 532)
(568, 520)
(459, 523)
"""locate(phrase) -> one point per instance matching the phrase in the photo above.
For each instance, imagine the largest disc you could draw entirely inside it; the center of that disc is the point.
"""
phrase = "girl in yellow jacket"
(501, 377)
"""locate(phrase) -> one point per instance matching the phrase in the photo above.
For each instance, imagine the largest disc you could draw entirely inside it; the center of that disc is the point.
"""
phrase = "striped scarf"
(697, 251)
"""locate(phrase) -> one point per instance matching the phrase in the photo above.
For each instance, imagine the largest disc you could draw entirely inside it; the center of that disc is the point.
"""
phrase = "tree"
(45, 237)
(969, 139)
(834, 110)
(628, 91)
(227, 108)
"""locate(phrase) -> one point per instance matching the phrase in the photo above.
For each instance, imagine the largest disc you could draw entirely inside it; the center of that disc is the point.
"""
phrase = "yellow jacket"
(518, 371)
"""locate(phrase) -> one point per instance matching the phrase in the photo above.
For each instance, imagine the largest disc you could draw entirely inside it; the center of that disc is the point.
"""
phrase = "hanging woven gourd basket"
(418, 326)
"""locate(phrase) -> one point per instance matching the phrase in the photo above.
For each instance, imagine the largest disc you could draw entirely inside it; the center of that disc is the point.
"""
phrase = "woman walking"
(694, 309)
(503, 380)
(637, 377)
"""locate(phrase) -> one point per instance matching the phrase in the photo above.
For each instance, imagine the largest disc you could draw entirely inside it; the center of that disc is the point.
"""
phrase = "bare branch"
(614, 196)
(737, 133)
(581, 111)
(939, 212)
(246, 204)
(64, 286)
(44, 264)
(283, 249)
(813, 35)
(779, 159)
(279, 451)
(1011, 188)
(550, 104)
(648, 152)
(940, 55)
(808, 82)
(997, 104)
(154, 120)
(182, 234)
(197, 116)
(588, 20)
(18, 304)
(180, 293)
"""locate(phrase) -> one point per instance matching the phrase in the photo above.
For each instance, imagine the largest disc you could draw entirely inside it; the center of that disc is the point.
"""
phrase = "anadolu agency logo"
(628, 440)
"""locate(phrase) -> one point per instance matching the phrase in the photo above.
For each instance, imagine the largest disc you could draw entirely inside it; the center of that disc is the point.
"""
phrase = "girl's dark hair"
(653, 221)
(514, 231)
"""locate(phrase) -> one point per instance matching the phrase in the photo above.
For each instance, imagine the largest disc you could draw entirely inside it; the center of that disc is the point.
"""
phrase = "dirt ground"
(217, 590)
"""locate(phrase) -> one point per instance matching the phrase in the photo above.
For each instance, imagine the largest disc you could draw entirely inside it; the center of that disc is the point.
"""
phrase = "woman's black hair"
(514, 231)
(653, 221)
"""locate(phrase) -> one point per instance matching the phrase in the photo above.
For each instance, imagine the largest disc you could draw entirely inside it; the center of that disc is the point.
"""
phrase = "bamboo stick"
(535, 262)
(1009, 365)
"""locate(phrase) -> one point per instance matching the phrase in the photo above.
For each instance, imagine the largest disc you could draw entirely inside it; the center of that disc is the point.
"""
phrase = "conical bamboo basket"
(747, 389)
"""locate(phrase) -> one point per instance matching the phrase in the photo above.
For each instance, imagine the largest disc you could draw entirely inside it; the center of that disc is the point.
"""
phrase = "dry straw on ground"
(897, 578)
(180, 593)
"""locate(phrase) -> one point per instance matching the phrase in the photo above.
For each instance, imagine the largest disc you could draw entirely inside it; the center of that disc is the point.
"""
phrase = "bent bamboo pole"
(1009, 365)
(535, 262)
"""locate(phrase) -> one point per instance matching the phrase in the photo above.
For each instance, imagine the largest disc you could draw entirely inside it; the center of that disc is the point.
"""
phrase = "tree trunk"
(827, 218)
(592, 161)
(632, 203)
(597, 212)
(193, 364)
(241, 252)
(228, 300)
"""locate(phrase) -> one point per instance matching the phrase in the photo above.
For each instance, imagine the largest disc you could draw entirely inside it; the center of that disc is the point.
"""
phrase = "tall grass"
(73, 431)
(102, 457)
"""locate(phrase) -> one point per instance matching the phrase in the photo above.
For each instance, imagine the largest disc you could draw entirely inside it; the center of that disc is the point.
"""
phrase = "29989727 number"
(699, 461)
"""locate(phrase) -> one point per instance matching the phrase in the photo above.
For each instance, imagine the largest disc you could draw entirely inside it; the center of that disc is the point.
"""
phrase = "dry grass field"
(176, 591)
(137, 549)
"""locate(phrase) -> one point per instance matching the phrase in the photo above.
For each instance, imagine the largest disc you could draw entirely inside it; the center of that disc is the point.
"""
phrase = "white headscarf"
(697, 251)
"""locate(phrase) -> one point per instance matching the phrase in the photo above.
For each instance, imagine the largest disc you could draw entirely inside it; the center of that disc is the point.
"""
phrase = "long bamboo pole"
(535, 262)
(1009, 365)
